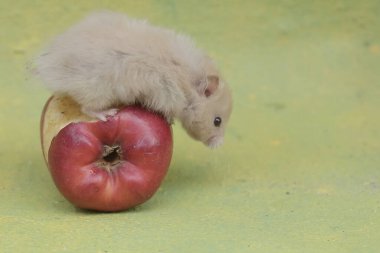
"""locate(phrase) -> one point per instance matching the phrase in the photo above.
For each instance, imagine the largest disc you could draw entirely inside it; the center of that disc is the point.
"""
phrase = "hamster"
(109, 59)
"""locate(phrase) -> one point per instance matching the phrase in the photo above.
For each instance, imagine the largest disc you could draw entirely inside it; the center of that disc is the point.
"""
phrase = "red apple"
(105, 166)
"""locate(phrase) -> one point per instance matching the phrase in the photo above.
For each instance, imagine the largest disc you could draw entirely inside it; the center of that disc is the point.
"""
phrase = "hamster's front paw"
(102, 115)
(169, 119)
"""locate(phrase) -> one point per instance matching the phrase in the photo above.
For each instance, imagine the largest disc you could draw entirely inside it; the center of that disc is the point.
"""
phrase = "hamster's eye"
(217, 121)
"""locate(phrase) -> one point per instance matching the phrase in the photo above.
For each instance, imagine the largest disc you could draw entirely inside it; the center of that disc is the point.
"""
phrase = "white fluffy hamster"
(109, 59)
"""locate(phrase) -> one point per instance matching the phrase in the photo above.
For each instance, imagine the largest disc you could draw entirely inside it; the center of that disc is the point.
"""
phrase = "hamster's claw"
(102, 115)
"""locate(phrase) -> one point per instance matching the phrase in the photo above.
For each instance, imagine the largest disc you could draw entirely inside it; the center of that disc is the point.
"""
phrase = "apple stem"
(112, 154)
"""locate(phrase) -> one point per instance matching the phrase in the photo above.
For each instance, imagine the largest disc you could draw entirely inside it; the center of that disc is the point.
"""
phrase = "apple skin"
(112, 165)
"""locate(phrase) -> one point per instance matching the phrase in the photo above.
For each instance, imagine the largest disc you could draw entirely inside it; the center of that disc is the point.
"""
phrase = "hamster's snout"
(214, 141)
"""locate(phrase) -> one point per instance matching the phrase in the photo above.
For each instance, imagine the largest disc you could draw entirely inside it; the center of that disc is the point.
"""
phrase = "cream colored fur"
(109, 59)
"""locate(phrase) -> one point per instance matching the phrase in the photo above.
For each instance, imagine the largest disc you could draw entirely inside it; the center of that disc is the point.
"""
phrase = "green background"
(300, 168)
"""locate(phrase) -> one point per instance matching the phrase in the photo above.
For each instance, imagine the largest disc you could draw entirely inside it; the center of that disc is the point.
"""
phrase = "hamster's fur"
(109, 59)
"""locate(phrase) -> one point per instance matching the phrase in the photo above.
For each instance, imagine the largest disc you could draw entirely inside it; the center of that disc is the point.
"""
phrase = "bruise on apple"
(58, 112)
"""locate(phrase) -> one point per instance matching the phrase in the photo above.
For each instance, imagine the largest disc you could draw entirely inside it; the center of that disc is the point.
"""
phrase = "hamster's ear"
(212, 85)
(206, 87)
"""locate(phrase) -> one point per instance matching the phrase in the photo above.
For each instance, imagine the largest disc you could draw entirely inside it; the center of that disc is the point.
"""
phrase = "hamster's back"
(89, 52)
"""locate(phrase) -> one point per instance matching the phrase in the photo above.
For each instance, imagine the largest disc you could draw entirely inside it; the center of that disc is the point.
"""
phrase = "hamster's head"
(206, 117)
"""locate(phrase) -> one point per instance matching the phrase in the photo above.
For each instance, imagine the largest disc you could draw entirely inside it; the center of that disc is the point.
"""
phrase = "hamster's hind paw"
(102, 115)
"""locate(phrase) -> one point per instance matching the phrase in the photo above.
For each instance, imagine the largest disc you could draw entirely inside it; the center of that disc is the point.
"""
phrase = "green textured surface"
(300, 169)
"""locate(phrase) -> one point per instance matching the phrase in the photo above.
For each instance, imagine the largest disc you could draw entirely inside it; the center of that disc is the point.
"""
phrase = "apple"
(108, 165)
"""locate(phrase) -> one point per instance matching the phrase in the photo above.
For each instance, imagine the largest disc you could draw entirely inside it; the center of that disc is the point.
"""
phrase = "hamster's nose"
(214, 141)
